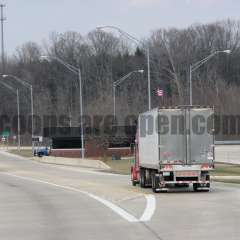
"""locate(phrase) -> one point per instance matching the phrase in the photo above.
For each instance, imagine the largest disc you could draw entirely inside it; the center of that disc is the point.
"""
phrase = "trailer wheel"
(195, 187)
(155, 182)
(142, 178)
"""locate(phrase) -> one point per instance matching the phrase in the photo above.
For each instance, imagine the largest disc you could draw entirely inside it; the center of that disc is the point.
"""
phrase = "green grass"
(119, 166)
(23, 152)
(226, 170)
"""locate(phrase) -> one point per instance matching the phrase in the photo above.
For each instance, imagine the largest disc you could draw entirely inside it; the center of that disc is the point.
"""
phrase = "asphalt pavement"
(42, 201)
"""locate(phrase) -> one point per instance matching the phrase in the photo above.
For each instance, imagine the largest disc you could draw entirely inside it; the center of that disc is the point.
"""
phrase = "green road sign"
(5, 134)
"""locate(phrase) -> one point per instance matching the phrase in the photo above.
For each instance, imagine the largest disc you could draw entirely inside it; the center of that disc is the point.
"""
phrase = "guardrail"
(236, 142)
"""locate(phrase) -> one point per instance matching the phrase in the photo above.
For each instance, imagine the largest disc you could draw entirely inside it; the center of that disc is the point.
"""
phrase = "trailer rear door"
(172, 137)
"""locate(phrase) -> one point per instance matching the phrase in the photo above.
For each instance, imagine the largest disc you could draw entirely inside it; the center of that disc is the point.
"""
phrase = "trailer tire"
(142, 178)
(195, 187)
(155, 182)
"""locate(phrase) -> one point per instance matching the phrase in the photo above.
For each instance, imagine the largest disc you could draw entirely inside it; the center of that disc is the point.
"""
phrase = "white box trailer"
(174, 146)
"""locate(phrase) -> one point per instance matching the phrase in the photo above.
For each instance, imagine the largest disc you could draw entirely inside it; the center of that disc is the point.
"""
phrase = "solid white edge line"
(121, 212)
(150, 208)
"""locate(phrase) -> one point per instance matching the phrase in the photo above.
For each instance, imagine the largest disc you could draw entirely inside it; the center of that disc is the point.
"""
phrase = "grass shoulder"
(23, 152)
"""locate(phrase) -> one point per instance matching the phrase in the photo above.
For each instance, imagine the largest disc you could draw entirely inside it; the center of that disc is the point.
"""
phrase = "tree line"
(105, 57)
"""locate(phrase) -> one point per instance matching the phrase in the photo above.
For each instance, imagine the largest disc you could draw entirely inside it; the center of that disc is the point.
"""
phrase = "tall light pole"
(18, 110)
(195, 66)
(76, 71)
(117, 83)
(29, 86)
(132, 38)
(2, 6)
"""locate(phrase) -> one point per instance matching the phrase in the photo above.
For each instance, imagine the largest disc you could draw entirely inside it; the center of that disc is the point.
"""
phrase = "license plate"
(166, 174)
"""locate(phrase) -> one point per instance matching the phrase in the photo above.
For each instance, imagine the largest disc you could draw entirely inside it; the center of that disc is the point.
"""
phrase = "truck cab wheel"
(142, 178)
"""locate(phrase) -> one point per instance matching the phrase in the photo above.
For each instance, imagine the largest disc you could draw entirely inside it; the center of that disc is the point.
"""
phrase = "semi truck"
(174, 147)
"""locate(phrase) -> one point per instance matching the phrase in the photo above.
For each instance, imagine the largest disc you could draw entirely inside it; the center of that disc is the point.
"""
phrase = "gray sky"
(34, 20)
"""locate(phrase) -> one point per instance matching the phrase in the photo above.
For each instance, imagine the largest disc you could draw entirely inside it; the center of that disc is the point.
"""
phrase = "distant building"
(116, 140)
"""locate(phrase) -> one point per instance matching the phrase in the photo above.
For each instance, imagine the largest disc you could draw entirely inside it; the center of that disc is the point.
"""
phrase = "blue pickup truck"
(41, 151)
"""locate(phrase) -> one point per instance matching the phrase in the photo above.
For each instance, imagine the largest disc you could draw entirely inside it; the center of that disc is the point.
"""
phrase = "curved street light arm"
(8, 86)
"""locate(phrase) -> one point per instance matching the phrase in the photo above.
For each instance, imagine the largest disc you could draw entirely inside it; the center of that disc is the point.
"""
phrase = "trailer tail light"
(168, 168)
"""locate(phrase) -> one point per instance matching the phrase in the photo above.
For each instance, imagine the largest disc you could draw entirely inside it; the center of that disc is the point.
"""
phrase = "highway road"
(40, 201)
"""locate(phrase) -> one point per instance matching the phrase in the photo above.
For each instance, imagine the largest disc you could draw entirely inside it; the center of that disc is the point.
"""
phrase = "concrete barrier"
(91, 163)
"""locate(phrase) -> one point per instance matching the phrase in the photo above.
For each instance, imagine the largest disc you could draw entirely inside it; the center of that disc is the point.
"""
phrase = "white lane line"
(150, 208)
(124, 214)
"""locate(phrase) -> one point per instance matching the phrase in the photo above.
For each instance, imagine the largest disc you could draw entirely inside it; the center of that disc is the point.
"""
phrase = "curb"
(89, 163)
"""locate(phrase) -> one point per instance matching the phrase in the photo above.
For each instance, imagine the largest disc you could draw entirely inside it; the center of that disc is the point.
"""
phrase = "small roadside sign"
(5, 134)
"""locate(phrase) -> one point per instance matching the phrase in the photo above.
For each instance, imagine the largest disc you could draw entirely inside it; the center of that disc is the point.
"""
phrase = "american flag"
(159, 92)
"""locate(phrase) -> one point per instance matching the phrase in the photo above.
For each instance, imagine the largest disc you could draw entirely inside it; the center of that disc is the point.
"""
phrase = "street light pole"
(117, 83)
(76, 71)
(29, 86)
(147, 49)
(197, 65)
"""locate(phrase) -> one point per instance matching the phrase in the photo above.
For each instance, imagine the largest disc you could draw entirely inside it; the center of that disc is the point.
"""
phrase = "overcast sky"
(34, 20)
